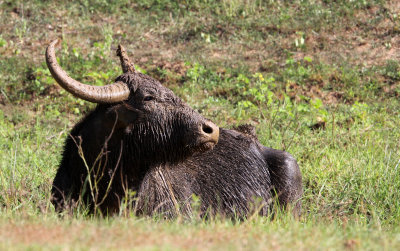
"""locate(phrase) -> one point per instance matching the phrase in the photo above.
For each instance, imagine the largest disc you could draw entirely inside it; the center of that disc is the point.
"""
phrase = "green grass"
(319, 79)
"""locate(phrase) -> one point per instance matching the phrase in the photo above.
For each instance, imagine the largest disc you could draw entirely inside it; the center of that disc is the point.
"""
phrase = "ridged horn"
(112, 93)
(126, 64)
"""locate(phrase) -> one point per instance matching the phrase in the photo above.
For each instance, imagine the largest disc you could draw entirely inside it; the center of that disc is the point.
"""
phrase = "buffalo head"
(137, 109)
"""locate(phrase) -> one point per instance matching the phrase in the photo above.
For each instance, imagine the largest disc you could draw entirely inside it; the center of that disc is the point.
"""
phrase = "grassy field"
(319, 79)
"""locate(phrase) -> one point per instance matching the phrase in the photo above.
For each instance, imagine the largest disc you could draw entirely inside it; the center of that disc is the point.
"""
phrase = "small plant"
(256, 92)
(104, 47)
(21, 29)
(3, 42)
(318, 106)
(360, 111)
(206, 37)
(299, 42)
(392, 69)
(196, 73)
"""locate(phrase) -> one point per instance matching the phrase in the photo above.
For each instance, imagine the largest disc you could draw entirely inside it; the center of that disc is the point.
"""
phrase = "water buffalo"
(145, 144)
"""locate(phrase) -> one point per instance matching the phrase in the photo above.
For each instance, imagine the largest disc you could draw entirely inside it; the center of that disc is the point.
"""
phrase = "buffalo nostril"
(207, 129)
(210, 132)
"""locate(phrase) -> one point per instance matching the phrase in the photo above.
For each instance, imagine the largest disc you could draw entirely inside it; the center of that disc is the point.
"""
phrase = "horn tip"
(55, 42)
(120, 50)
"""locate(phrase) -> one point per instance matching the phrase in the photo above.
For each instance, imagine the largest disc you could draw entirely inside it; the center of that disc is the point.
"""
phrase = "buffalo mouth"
(208, 145)
(204, 146)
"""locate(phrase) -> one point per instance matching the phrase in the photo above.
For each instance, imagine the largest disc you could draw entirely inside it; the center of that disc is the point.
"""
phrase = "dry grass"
(367, 36)
(146, 234)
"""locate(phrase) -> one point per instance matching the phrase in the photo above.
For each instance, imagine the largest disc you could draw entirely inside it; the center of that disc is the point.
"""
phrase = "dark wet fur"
(153, 148)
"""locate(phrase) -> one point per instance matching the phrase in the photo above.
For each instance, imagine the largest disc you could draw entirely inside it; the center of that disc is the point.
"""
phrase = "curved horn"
(112, 93)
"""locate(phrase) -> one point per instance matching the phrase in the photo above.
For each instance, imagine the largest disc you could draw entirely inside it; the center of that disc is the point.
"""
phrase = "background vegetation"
(318, 78)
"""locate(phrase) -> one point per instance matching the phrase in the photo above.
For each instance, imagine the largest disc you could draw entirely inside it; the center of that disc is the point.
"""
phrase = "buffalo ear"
(124, 115)
(130, 79)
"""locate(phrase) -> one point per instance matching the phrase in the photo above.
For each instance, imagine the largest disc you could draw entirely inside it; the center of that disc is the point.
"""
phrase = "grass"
(145, 234)
(319, 79)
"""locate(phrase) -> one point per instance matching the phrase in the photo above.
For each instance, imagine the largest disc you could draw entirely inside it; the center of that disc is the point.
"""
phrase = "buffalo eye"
(148, 98)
